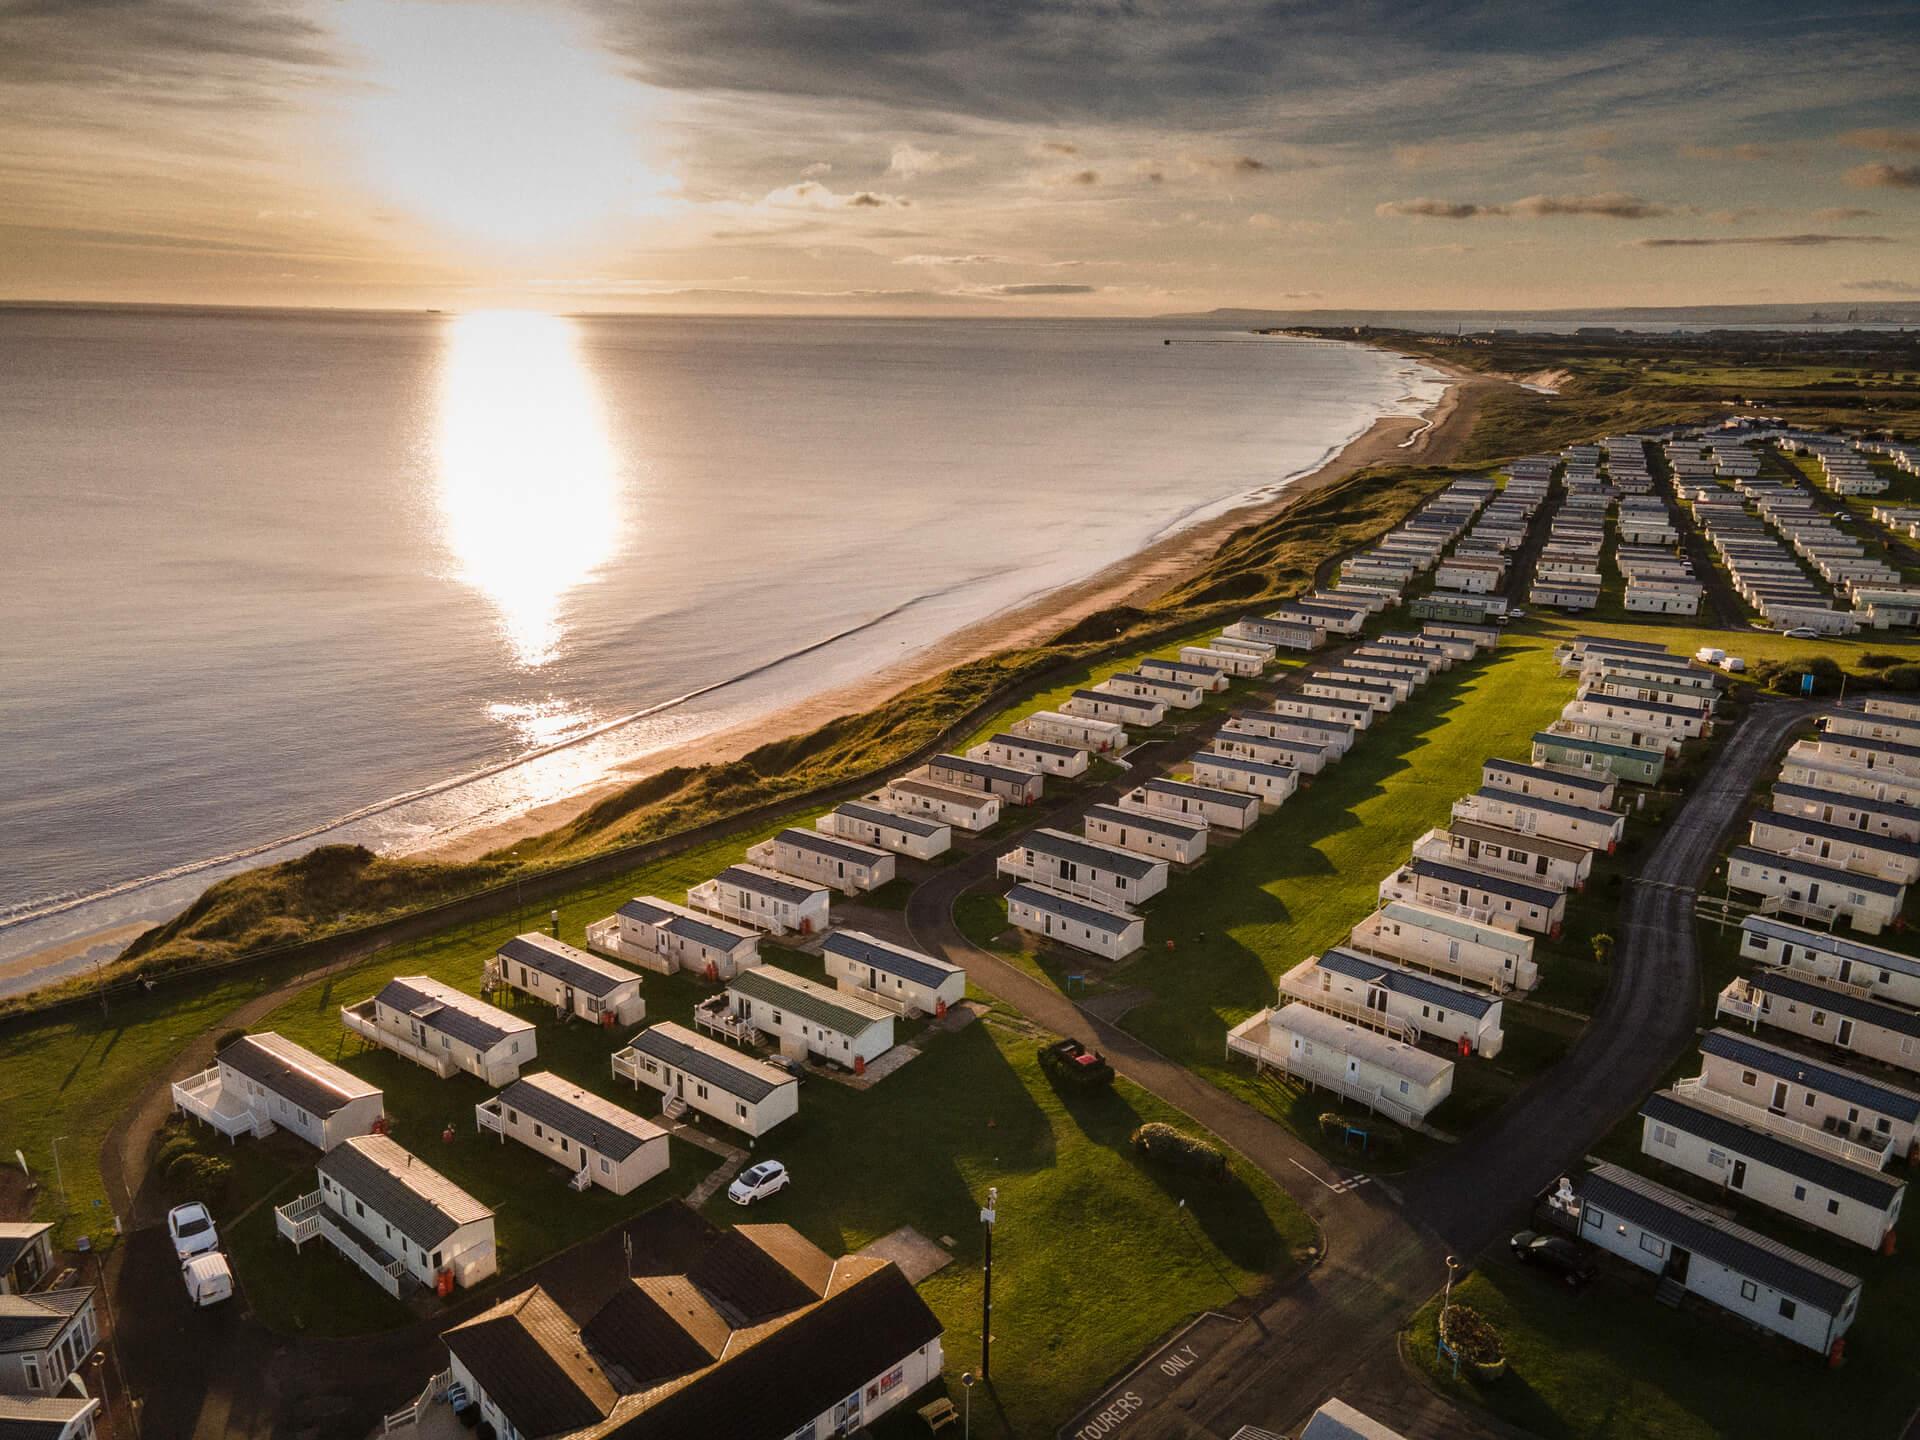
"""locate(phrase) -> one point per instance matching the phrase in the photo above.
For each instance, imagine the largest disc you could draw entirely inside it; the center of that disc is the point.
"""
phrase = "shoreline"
(1429, 438)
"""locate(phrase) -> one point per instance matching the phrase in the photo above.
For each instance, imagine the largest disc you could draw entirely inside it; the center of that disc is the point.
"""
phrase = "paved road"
(1385, 1251)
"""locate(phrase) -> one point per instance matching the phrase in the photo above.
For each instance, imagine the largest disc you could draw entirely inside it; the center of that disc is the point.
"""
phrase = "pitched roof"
(1337, 1420)
(586, 973)
(1831, 1080)
(819, 842)
(1562, 778)
(892, 819)
(654, 1328)
(1866, 805)
(1160, 785)
(1774, 860)
(710, 933)
(1445, 922)
(1160, 823)
(1041, 747)
(317, 1086)
(33, 1322)
(1533, 844)
(1245, 765)
(41, 1417)
(762, 882)
(864, 949)
(1551, 807)
(1690, 1225)
(417, 1200)
(1113, 922)
(586, 1118)
(1394, 1055)
(739, 1075)
(452, 1012)
(1828, 942)
(1807, 825)
(1061, 845)
(529, 1359)
(15, 1238)
(1401, 981)
(1856, 1182)
(1855, 1007)
(759, 1271)
(1481, 880)
(836, 1011)
(984, 769)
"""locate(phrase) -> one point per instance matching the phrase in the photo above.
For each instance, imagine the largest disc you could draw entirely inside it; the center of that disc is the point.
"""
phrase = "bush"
(1879, 660)
(1902, 677)
(1380, 1134)
(1783, 677)
(199, 1177)
(171, 1150)
(227, 1037)
(1471, 1337)
(1178, 1150)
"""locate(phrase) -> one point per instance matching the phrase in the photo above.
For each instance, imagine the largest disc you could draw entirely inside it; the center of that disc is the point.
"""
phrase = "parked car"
(757, 1182)
(1568, 1259)
(208, 1279)
(1516, 614)
(191, 1226)
(1072, 1061)
(1802, 632)
(1733, 665)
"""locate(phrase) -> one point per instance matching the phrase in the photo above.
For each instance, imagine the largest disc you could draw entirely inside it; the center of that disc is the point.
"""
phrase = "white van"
(207, 1277)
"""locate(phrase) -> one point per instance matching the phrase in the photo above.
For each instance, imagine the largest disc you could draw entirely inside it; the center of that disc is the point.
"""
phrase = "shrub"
(198, 1176)
(171, 1150)
(1470, 1335)
(1380, 1134)
(1178, 1150)
(227, 1037)
(1879, 660)
(1902, 677)
(1602, 947)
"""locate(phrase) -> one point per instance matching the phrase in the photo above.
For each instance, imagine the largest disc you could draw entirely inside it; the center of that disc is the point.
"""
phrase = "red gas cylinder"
(446, 1135)
(1466, 1046)
(443, 1284)
(859, 1065)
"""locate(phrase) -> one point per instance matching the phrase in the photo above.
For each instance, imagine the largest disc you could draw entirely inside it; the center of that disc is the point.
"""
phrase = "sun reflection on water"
(528, 485)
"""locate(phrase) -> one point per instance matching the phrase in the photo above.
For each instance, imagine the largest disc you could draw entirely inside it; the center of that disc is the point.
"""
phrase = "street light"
(59, 1178)
(987, 1217)
(967, 1381)
(1446, 1296)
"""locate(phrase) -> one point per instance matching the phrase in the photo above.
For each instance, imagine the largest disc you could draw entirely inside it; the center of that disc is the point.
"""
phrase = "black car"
(1568, 1259)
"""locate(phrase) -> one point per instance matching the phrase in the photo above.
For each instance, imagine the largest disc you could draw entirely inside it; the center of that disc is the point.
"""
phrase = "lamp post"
(967, 1380)
(59, 1178)
(987, 1217)
(1446, 1296)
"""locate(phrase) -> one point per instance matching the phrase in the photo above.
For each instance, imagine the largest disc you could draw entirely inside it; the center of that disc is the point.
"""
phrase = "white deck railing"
(298, 1220)
(487, 1116)
(203, 1096)
(605, 936)
(1811, 1136)
(359, 1019)
(711, 898)
(1310, 994)
(1240, 1040)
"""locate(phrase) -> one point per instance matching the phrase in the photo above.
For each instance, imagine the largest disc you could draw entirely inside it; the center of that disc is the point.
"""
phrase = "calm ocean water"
(259, 572)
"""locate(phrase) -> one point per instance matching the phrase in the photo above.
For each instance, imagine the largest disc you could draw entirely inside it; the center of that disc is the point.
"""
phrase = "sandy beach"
(1433, 439)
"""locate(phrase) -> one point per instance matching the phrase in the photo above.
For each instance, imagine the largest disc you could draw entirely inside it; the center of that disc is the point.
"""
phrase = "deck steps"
(1670, 1292)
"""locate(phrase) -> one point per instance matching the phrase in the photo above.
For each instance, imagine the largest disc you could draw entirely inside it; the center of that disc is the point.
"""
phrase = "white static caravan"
(1893, 705)
(409, 1212)
(1815, 1010)
(1804, 765)
(1597, 830)
(1843, 846)
(969, 810)
(1803, 887)
(1015, 784)
(1225, 808)
(1751, 1276)
(664, 937)
(1115, 707)
(1267, 638)
(1401, 683)
(1684, 722)
(575, 983)
(1210, 678)
(904, 981)
(1321, 685)
(1885, 818)
(1233, 662)
(1332, 737)
(1481, 637)
(1691, 1133)
(1883, 974)
(262, 1083)
(1111, 934)
(1293, 754)
(1026, 753)
(1840, 1107)
(809, 1018)
(1353, 715)
(876, 825)
(1305, 614)
(844, 865)
(1403, 1003)
(1182, 694)
(1274, 784)
(1071, 865)
(1550, 782)
(1390, 1076)
(1610, 732)
(1441, 654)
(1448, 943)
(1083, 731)
(598, 1141)
(1537, 909)
(1663, 598)
(444, 1029)
(1547, 862)
(693, 1072)
(777, 904)
(1145, 833)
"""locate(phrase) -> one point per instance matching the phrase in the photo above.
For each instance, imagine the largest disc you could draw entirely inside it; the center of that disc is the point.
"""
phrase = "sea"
(271, 579)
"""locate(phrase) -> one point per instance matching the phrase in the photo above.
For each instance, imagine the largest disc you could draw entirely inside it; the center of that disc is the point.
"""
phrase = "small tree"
(1602, 947)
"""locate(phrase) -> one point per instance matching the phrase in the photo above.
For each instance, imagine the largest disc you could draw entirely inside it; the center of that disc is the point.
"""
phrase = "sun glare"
(506, 130)
(528, 486)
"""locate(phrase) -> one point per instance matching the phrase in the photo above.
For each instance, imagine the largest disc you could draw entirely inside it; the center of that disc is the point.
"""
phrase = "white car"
(757, 1182)
(1801, 632)
(207, 1278)
(191, 1226)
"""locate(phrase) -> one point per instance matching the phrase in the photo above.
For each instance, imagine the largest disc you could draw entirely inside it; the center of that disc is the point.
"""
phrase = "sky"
(962, 157)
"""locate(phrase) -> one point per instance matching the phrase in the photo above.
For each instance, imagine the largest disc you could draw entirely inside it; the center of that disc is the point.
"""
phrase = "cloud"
(1057, 147)
(1611, 206)
(1228, 164)
(817, 169)
(910, 162)
(1747, 151)
(1906, 140)
(950, 260)
(1784, 241)
(1033, 289)
(1883, 287)
(812, 195)
(1881, 175)
(1844, 212)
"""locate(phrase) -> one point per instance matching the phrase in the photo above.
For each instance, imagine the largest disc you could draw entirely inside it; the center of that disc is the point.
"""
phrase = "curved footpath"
(1384, 1253)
